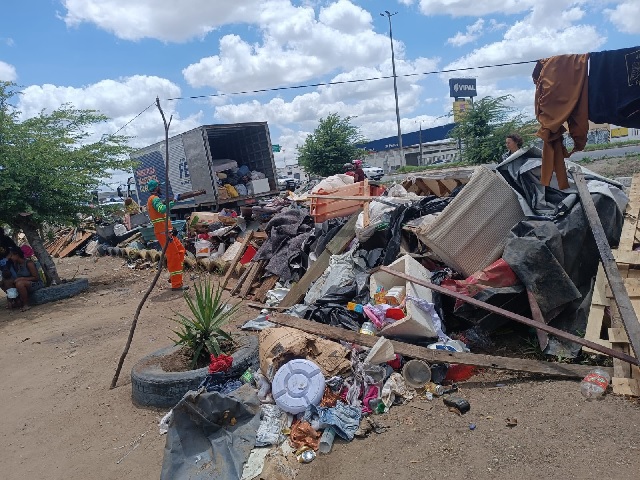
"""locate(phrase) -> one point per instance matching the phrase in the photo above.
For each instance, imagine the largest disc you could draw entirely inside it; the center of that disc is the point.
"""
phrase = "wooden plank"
(631, 258)
(514, 316)
(627, 313)
(335, 246)
(594, 328)
(267, 284)
(254, 271)
(241, 279)
(625, 386)
(629, 228)
(599, 296)
(434, 356)
(236, 259)
(75, 244)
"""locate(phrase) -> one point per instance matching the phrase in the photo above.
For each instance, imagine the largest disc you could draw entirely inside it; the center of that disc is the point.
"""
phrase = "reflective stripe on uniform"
(178, 272)
(158, 220)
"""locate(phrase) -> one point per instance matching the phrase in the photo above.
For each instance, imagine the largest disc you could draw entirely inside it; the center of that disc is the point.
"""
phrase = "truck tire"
(151, 386)
(58, 292)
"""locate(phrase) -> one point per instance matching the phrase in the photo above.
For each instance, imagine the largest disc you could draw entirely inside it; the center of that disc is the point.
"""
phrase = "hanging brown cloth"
(562, 94)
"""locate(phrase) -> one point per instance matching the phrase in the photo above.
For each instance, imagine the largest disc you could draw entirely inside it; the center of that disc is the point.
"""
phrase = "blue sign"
(428, 135)
(151, 168)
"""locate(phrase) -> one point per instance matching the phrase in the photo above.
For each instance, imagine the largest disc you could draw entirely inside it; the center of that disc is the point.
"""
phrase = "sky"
(117, 56)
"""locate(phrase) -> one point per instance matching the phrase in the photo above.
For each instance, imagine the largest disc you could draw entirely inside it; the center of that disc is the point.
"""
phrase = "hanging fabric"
(561, 96)
(614, 87)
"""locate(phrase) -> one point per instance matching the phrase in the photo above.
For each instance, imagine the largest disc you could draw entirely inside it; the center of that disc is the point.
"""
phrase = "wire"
(126, 124)
(323, 84)
(342, 82)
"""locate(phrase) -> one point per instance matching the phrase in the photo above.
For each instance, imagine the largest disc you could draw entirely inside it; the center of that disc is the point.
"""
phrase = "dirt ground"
(60, 420)
(615, 166)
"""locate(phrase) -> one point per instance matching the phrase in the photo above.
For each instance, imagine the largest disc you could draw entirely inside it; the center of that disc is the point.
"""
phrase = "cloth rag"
(221, 363)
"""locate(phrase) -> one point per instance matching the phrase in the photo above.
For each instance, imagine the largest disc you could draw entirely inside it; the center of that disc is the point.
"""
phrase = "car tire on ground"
(59, 292)
(153, 387)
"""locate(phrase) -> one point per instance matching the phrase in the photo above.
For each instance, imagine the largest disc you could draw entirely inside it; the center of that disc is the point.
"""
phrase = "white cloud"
(295, 47)
(7, 72)
(625, 16)
(166, 20)
(542, 33)
(9, 42)
(461, 8)
(473, 32)
(120, 100)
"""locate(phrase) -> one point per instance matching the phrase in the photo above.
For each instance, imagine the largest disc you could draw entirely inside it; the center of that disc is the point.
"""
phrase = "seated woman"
(27, 280)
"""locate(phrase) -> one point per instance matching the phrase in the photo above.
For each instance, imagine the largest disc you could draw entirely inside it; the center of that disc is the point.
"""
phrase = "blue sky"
(117, 55)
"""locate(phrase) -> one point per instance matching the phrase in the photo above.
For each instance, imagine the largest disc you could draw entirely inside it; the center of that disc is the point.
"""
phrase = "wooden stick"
(435, 356)
(514, 316)
(236, 259)
(335, 246)
(625, 307)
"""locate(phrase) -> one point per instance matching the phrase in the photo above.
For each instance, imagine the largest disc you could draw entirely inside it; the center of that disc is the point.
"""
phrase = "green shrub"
(202, 332)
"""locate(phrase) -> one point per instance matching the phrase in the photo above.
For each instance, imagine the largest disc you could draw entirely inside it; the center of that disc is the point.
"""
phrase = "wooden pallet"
(604, 325)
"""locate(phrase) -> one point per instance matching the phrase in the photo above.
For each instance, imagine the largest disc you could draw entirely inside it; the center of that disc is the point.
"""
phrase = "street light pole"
(395, 83)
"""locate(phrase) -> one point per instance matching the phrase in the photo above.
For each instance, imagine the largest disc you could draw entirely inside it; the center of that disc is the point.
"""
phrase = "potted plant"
(162, 378)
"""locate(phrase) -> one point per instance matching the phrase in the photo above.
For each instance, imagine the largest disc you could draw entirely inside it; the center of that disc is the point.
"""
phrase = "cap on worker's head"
(152, 185)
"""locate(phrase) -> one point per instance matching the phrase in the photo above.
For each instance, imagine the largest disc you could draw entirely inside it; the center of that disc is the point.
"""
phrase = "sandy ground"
(60, 420)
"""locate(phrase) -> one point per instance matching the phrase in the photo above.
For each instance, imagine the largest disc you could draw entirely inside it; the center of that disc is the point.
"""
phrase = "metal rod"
(514, 316)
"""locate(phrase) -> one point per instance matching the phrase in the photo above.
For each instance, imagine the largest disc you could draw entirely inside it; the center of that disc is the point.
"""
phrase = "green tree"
(332, 144)
(49, 167)
(483, 129)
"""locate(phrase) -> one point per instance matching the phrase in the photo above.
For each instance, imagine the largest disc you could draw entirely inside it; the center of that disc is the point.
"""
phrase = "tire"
(153, 387)
(58, 292)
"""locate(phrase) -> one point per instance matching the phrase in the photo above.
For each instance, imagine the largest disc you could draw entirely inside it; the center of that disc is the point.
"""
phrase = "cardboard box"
(279, 345)
(258, 186)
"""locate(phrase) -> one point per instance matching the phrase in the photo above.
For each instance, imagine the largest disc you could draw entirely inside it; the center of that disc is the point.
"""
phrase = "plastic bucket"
(203, 248)
(12, 293)
(416, 373)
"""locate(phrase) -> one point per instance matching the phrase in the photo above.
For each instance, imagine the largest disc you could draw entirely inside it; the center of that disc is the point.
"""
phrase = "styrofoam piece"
(296, 385)
(381, 352)
(417, 323)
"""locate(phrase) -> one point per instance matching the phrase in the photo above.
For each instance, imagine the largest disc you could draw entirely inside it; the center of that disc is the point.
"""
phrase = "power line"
(359, 80)
(130, 121)
(324, 84)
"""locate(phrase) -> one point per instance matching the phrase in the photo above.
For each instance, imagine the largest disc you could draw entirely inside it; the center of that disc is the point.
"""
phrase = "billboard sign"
(460, 109)
(462, 87)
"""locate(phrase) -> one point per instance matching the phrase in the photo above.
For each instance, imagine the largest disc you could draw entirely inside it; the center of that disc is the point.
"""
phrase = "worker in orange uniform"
(157, 211)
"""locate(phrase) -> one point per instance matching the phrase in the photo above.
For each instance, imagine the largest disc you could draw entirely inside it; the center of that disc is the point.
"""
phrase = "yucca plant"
(202, 332)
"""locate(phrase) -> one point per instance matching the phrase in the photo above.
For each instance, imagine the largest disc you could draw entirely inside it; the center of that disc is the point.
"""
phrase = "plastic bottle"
(595, 384)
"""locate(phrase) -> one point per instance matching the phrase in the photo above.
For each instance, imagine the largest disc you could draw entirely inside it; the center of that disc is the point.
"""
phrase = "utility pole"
(420, 140)
(395, 83)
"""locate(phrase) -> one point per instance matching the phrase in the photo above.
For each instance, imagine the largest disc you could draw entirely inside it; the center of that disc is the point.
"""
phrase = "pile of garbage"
(239, 181)
(305, 392)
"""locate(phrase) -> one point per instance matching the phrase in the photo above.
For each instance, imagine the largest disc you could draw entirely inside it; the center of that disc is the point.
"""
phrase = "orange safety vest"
(157, 218)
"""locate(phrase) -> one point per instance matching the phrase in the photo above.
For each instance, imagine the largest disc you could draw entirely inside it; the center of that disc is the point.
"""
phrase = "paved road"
(610, 152)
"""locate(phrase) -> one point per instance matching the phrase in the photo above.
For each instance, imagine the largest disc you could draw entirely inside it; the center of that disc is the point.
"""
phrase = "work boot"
(180, 289)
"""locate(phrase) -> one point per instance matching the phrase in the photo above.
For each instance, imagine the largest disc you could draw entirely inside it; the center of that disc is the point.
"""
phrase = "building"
(293, 171)
(436, 148)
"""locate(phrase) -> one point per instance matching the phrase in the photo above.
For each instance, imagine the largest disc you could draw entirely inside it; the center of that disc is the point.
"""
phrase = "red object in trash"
(396, 363)
(248, 255)
(458, 372)
(395, 313)
(221, 363)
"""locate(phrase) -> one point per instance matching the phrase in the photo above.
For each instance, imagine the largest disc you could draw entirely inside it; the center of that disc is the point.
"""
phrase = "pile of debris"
(385, 307)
